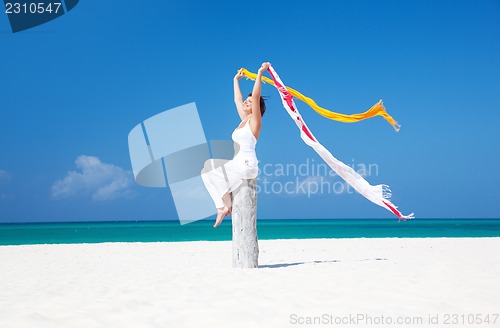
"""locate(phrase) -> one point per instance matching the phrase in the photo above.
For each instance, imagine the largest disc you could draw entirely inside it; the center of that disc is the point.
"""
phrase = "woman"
(223, 177)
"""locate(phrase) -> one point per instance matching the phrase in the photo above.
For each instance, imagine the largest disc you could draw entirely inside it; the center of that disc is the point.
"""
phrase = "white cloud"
(100, 180)
(303, 187)
(314, 185)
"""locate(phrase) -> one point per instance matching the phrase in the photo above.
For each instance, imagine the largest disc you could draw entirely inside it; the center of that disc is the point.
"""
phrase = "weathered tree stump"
(244, 219)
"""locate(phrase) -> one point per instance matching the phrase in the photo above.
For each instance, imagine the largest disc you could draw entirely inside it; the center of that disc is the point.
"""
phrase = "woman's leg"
(228, 200)
(221, 213)
(219, 203)
(216, 180)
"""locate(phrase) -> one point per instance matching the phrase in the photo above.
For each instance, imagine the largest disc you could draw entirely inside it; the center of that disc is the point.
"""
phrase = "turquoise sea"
(154, 231)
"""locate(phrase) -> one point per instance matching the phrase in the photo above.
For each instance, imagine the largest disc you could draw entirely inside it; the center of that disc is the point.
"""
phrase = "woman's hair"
(262, 104)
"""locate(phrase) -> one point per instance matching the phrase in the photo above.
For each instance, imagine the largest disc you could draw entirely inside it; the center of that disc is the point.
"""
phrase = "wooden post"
(244, 219)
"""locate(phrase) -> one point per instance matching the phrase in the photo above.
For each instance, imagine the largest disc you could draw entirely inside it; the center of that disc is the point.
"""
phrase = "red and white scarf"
(379, 194)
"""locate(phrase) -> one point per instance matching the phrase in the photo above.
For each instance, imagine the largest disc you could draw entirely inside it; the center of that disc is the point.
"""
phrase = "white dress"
(224, 176)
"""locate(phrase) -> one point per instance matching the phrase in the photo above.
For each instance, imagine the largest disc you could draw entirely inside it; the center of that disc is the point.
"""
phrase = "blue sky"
(73, 88)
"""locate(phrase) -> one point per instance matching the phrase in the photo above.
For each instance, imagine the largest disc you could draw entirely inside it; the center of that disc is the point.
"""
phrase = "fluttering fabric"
(376, 110)
(379, 194)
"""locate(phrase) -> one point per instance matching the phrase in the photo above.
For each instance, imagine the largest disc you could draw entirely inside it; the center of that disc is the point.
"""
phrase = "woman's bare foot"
(221, 213)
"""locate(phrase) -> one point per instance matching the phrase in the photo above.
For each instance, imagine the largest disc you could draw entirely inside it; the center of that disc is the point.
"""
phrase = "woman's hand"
(264, 67)
(239, 75)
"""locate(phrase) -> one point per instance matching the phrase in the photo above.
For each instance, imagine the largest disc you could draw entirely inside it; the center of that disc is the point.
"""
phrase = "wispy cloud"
(4, 177)
(303, 187)
(310, 186)
(102, 181)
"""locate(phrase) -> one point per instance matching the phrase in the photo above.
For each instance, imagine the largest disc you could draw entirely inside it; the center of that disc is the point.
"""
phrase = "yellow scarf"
(377, 110)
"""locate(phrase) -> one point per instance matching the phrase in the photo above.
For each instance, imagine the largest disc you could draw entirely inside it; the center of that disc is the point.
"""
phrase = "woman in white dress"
(223, 177)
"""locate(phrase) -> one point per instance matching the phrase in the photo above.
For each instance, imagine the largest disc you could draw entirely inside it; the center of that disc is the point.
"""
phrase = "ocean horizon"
(173, 231)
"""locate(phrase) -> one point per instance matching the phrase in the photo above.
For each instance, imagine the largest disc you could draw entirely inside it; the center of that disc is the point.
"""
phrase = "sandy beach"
(300, 283)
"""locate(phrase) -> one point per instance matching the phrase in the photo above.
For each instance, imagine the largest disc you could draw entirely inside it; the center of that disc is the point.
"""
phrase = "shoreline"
(92, 232)
(186, 242)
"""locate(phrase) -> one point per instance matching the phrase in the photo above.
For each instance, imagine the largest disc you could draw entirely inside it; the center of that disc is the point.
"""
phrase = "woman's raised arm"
(238, 98)
(256, 93)
(256, 120)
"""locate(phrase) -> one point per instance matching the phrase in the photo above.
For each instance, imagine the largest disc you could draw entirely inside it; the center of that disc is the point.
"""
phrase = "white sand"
(192, 284)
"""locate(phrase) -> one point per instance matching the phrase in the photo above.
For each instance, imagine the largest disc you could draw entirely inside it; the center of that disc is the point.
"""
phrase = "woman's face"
(247, 104)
